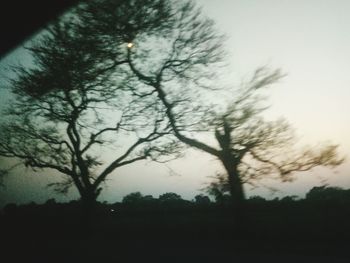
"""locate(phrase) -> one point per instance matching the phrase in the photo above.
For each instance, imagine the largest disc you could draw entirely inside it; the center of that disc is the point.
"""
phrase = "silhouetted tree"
(173, 202)
(289, 198)
(248, 146)
(148, 198)
(324, 193)
(202, 199)
(164, 54)
(78, 99)
(132, 198)
(257, 199)
(51, 201)
(169, 197)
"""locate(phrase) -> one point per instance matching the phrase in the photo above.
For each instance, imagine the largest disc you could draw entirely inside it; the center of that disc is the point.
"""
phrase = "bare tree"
(252, 147)
(247, 145)
(151, 65)
(77, 99)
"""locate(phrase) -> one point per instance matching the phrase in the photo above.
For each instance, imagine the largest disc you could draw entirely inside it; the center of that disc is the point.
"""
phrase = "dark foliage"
(78, 98)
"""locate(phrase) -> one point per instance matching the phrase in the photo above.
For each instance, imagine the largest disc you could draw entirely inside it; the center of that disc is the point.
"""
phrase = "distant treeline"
(319, 196)
(320, 220)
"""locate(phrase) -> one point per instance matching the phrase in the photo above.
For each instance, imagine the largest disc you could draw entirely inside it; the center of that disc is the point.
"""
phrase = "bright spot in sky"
(130, 45)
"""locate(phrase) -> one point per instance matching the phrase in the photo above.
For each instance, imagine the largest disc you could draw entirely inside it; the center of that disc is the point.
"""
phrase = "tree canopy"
(108, 70)
(77, 99)
(247, 145)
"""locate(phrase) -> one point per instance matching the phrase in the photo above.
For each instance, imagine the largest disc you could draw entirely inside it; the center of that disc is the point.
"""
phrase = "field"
(271, 231)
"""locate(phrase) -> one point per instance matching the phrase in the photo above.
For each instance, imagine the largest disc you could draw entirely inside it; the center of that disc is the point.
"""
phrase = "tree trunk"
(88, 199)
(236, 187)
(88, 202)
(235, 183)
(238, 210)
(88, 205)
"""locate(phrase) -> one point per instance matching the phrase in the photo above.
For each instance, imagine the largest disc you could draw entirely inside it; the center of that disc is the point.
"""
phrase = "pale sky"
(309, 40)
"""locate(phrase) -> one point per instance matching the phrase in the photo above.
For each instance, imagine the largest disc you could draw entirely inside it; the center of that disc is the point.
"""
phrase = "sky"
(308, 40)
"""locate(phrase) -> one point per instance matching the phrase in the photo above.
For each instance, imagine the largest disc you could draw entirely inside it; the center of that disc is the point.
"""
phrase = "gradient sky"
(308, 39)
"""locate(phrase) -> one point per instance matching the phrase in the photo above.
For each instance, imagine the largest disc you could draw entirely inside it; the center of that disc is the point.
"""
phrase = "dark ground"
(292, 232)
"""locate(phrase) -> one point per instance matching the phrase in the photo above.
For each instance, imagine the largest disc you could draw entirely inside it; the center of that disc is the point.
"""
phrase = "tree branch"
(169, 107)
